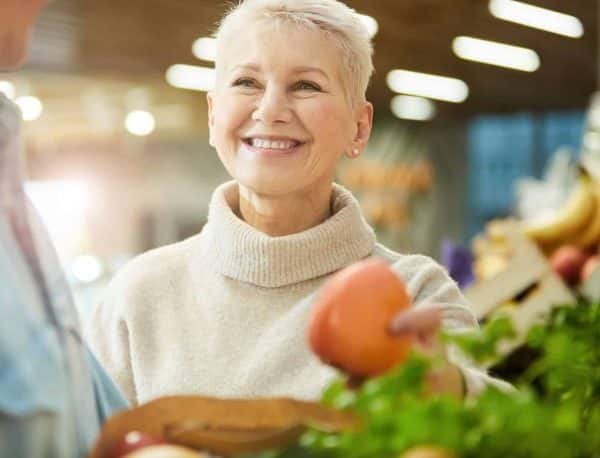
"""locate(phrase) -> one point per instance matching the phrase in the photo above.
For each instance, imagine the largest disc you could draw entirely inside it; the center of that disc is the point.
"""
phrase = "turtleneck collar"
(237, 250)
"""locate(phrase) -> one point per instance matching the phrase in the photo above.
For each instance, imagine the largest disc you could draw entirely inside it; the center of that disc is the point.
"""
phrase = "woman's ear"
(209, 101)
(364, 124)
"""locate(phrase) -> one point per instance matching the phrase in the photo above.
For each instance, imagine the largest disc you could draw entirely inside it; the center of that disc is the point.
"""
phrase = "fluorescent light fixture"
(537, 17)
(413, 108)
(205, 48)
(31, 107)
(8, 89)
(499, 54)
(370, 23)
(140, 123)
(430, 86)
(191, 77)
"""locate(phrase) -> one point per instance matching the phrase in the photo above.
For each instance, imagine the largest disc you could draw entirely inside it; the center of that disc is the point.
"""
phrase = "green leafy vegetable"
(554, 413)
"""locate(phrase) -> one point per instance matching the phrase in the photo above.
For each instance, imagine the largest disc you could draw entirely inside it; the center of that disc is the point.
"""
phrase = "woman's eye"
(244, 82)
(307, 86)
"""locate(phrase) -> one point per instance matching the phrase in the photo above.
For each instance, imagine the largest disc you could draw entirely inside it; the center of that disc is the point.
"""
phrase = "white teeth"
(268, 144)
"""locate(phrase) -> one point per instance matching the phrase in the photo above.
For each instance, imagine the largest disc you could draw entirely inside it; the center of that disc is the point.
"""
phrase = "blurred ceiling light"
(414, 108)
(140, 123)
(86, 268)
(8, 89)
(31, 107)
(62, 205)
(499, 54)
(205, 48)
(370, 23)
(191, 77)
(537, 17)
(426, 85)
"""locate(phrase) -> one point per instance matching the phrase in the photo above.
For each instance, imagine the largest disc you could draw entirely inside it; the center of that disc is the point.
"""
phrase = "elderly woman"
(224, 313)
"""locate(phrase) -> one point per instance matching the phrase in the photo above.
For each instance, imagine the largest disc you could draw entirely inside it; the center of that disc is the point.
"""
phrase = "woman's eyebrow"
(248, 66)
(309, 70)
(302, 69)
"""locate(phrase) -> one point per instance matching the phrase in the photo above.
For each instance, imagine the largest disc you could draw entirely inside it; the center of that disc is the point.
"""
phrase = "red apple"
(590, 265)
(132, 441)
(567, 261)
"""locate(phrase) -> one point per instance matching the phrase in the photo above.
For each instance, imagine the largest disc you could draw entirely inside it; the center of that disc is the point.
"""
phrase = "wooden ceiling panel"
(145, 37)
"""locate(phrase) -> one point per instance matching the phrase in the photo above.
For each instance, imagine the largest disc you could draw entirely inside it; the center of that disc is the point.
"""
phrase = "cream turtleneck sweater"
(224, 313)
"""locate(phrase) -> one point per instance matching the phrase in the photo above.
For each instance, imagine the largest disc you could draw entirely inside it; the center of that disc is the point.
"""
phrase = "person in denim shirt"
(54, 395)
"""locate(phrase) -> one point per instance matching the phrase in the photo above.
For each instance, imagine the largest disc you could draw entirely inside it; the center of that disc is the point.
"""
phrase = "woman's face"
(279, 117)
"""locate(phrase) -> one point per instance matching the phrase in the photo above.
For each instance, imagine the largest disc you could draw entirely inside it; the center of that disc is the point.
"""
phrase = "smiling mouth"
(283, 144)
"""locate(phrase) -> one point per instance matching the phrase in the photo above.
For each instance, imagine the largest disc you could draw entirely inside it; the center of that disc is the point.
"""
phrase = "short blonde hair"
(340, 22)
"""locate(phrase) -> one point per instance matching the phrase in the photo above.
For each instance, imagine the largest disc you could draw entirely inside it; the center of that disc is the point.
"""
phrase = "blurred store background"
(118, 160)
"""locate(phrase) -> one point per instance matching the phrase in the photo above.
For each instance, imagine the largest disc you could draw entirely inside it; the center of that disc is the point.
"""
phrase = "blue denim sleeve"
(34, 436)
(109, 399)
(31, 374)
(33, 403)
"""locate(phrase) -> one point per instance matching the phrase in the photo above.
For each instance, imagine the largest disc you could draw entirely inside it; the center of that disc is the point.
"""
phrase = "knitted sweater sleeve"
(430, 286)
(107, 333)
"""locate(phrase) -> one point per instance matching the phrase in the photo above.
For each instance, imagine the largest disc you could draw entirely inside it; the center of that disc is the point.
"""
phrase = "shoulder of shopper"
(149, 276)
(131, 300)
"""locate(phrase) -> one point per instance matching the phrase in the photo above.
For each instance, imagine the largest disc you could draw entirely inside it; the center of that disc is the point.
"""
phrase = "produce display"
(569, 237)
(578, 223)
(554, 412)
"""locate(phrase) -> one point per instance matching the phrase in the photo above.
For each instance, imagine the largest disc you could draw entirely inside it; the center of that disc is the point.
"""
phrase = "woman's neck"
(286, 214)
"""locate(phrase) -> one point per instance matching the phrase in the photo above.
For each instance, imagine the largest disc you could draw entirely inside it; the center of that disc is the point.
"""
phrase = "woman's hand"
(423, 326)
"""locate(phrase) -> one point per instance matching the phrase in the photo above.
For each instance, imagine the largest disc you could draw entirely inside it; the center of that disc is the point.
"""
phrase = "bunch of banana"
(576, 223)
(589, 236)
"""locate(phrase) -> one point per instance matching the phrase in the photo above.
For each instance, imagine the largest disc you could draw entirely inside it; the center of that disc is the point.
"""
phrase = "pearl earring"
(354, 152)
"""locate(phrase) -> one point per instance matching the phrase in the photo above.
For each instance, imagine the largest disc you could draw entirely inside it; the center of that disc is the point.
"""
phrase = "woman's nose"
(273, 107)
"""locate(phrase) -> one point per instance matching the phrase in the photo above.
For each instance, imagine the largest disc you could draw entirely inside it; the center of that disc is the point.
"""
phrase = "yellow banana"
(590, 233)
(568, 220)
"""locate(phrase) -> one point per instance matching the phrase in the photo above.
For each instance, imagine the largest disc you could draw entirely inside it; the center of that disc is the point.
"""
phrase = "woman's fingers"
(420, 324)
(416, 321)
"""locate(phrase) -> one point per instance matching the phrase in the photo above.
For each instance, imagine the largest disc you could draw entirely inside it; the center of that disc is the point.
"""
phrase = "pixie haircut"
(339, 22)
